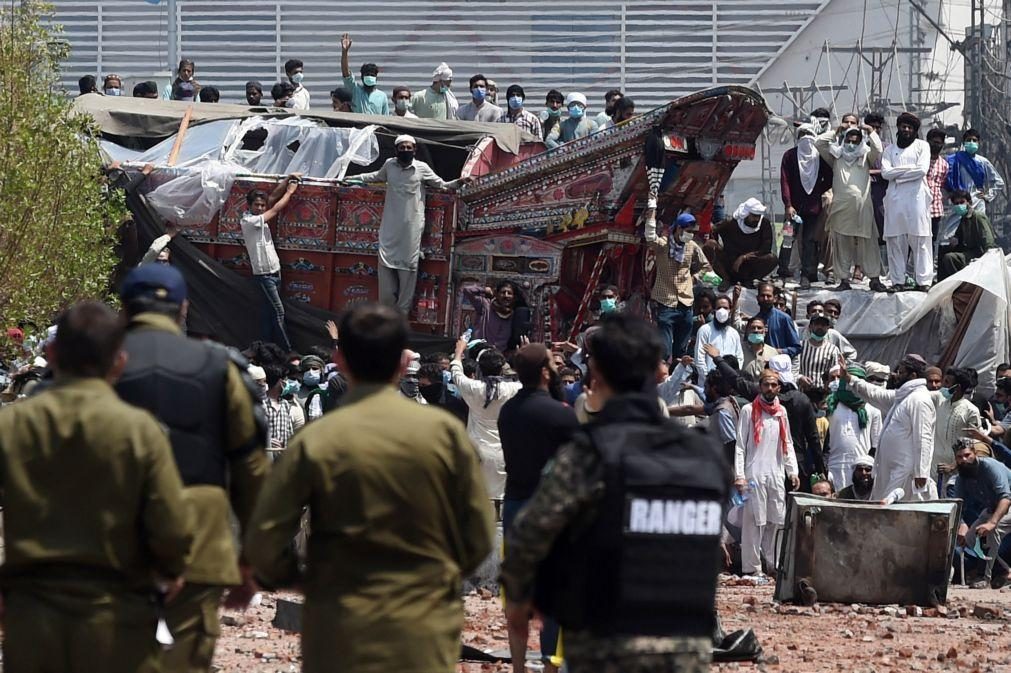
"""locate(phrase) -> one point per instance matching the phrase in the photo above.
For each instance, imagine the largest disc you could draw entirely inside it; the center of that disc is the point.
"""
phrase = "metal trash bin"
(839, 551)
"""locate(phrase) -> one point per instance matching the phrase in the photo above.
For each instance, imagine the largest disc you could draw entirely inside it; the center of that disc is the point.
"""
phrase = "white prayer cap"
(414, 364)
(404, 139)
(750, 207)
(443, 72)
(877, 370)
(863, 461)
(782, 365)
(256, 373)
(575, 97)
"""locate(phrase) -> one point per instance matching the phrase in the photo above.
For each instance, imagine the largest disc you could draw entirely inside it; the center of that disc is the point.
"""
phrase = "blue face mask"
(311, 378)
(479, 93)
(113, 92)
(971, 146)
(515, 102)
(608, 305)
(575, 111)
(817, 337)
(290, 387)
(946, 393)
(369, 80)
(756, 338)
(555, 113)
(443, 89)
(296, 78)
(960, 209)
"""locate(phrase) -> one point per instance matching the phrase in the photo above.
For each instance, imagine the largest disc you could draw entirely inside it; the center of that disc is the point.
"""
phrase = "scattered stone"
(905, 652)
(232, 620)
(952, 653)
(750, 600)
(890, 611)
(484, 593)
(792, 646)
(771, 660)
(983, 611)
(260, 635)
(914, 611)
(847, 634)
(930, 612)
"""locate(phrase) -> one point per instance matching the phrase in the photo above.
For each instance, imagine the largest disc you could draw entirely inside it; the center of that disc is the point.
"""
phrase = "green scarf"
(848, 399)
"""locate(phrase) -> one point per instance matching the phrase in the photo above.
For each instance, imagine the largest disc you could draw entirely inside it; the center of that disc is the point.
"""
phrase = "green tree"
(57, 228)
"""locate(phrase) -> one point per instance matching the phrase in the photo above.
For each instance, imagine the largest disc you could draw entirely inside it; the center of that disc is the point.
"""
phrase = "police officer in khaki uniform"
(217, 430)
(399, 514)
(93, 513)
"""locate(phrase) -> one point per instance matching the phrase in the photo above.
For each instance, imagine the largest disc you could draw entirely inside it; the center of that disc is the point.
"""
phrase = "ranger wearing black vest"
(621, 541)
(201, 394)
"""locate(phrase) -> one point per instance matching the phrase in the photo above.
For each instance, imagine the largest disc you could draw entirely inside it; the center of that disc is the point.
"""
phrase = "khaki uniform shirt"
(399, 514)
(214, 559)
(89, 485)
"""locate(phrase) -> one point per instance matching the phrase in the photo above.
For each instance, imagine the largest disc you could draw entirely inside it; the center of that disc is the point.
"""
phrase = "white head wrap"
(807, 158)
(750, 207)
(404, 139)
(836, 149)
(575, 97)
(864, 461)
(442, 72)
(782, 365)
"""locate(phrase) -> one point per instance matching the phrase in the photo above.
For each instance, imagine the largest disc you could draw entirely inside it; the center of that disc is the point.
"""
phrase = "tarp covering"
(225, 305)
(142, 117)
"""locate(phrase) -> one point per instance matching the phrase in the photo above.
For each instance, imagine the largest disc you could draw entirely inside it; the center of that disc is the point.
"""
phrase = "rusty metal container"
(852, 552)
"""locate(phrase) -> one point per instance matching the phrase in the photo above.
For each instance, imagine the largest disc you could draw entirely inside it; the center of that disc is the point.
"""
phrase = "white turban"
(575, 97)
(782, 365)
(864, 461)
(809, 128)
(443, 72)
(750, 207)
(404, 139)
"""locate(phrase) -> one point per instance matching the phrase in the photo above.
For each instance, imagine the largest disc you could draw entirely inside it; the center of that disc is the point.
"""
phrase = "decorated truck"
(558, 222)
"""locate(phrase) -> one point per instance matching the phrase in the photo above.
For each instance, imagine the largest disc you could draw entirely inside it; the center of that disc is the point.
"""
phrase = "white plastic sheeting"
(212, 155)
(196, 195)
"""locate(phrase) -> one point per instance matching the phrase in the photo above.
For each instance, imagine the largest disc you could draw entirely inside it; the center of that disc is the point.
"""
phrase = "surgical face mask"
(443, 88)
(311, 377)
(554, 113)
(722, 315)
(290, 387)
(515, 102)
(608, 305)
(833, 385)
(817, 337)
(297, 78)
(369, 80)
(405, 157)
(756, 338)
(401, 104)
(479, 93)
(960, 209)
(970, 146)
(113, 91)
(686, 236)
(947, 393)
(575, 111)
(850, 148)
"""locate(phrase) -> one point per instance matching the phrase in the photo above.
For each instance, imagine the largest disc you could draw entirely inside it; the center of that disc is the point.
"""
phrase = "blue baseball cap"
(157, 281)
(685, 220)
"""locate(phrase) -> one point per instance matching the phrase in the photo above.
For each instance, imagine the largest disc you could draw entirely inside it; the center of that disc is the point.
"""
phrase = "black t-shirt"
(532, 426)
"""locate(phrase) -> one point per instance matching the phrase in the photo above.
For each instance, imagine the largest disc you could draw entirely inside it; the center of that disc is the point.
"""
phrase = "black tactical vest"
(183, 383)
(645, 561)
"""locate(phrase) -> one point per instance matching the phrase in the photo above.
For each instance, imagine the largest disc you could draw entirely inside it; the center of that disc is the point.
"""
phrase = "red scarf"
(774, 409)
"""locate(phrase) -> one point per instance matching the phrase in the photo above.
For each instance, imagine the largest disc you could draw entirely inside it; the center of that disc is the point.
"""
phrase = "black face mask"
(969, 470)
(409, 387)
(405, 157)
(432, 393)
(903, 139)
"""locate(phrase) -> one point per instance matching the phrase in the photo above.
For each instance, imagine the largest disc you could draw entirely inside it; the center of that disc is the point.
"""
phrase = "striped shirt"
(936, 176)
(674, 283)
(816, 359)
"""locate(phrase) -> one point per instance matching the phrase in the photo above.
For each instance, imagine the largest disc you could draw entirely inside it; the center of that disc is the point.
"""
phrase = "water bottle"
(738, 499)
(467, 334)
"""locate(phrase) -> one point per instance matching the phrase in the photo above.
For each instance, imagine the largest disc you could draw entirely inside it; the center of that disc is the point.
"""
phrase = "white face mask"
(722, 315)
(686, 236)
(833, 385)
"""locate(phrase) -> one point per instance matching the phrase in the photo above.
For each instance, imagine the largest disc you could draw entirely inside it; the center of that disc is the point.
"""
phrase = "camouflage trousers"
(585, 653)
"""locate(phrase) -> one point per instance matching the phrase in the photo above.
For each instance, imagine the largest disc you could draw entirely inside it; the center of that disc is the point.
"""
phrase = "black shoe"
(843, 285)
(877, 285)
(922, 288)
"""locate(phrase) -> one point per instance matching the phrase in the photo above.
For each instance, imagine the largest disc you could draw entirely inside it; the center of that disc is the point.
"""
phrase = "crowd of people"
(564, 117)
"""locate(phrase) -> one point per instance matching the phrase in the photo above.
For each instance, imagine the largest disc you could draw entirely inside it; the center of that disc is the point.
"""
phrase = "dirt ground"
(970, 635)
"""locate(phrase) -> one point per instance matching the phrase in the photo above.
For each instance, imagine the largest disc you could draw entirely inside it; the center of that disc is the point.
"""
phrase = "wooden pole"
(178, 145)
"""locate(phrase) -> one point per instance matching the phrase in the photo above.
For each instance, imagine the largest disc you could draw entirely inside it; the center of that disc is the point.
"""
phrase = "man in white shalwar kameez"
(851, 219)
(764, 455)
(854, 428)
(907, 204)
(906, 444)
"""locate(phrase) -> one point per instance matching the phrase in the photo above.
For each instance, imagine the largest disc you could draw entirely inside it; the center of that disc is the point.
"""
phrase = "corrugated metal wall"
(654, 51)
